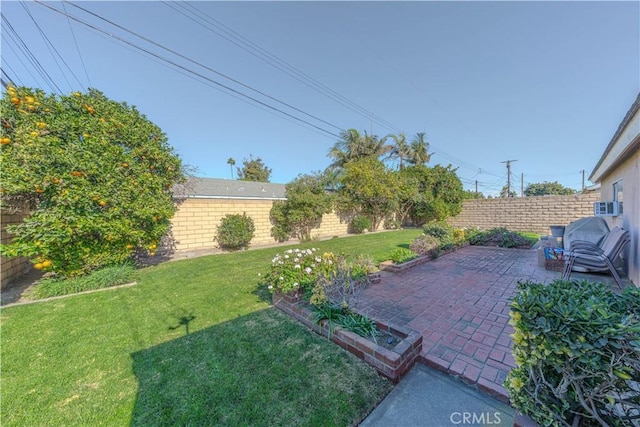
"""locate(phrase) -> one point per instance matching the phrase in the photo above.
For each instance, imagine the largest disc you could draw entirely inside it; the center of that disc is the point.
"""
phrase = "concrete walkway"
(460, 304)
(427, 398)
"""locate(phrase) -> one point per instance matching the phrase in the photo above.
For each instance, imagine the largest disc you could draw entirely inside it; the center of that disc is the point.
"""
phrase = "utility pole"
(476, 186)
(522, 184)
(583, 180)
(508, 162)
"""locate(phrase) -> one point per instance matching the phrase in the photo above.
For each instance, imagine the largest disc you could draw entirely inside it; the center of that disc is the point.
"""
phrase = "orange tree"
(96, 176)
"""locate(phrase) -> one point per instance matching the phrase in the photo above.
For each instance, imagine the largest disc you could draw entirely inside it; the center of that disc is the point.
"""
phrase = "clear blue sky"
(543, 83)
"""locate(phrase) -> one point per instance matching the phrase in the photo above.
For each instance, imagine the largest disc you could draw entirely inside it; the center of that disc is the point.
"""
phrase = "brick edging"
(393, 364)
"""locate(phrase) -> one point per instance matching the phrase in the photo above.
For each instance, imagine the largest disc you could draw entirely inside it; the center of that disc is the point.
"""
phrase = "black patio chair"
(598, 258)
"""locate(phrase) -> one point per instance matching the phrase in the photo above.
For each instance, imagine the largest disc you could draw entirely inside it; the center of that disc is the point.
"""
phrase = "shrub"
(501, 237)
(400, 255)
(438, 229)
(360, 224)
(340, 285)
(307, 201)
(577, 352)
(298, 269)
(235, 232)
(95, 174)
(423, 245)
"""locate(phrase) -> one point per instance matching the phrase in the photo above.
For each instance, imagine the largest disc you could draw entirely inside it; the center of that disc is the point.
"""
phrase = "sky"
(541, 84)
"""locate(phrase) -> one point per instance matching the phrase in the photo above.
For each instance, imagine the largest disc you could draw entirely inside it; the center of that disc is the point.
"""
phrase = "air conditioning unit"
(607, 208)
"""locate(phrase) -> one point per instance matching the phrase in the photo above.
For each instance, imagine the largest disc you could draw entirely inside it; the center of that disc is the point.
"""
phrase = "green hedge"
(577, 352)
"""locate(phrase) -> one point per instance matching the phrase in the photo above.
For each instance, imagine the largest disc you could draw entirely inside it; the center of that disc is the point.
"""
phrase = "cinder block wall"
(195, 224)
(534, 214)
(11, 268)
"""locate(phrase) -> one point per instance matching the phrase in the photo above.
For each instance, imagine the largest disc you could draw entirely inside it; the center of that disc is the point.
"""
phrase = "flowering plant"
(298, 269)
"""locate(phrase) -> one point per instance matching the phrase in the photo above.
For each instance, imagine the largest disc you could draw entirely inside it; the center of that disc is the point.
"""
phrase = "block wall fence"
(195, 223)
(534, 214)
(11, 268)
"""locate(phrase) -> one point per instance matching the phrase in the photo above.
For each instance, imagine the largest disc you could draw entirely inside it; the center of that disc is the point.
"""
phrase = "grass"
(195, 342)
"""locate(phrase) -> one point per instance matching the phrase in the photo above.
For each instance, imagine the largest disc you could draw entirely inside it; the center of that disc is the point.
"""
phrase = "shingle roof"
(232, 189)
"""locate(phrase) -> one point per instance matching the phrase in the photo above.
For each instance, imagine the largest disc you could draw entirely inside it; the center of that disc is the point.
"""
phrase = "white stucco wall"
(629, 172)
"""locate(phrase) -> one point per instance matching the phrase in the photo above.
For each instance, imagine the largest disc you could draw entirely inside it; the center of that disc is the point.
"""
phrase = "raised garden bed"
(393, 363)
(392, 267)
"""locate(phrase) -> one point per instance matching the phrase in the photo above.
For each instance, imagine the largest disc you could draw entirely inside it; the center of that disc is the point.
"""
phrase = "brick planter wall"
(393, 364)
(391, 267)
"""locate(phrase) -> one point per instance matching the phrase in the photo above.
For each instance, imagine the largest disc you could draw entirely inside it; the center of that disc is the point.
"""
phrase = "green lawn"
(123, 357)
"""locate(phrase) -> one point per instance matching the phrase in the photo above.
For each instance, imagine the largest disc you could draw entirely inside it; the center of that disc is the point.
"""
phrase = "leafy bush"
(362, 266)
(298, 269)
(96, 176)
(400, 255)
(501, 237)
(235, 232)
(360, 224)
(340, 285)
(99, 279)
(423, 245)
(440, 230)
(307, 201)
(577, 352)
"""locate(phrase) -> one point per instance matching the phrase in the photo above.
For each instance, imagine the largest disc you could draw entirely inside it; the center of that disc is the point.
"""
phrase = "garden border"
(393, 364)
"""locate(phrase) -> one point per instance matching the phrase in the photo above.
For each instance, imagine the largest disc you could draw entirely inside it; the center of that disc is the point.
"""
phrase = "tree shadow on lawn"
(258, 369)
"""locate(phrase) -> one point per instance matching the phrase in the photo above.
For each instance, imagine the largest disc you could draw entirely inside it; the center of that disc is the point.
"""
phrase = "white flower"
(288, 251)
(318, 259)
(295, 285)
(313, 266)
(296, 266)
(286, 257)
(259, 274)
(307, 270)
(281, 278)
(270, 286)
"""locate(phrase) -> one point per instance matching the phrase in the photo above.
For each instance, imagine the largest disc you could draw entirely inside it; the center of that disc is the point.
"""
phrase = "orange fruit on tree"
(129, 246)
(5, 141)
(102, 203)
(41, 125)
(29, 99)
(15, 101)
(46, 263)
(125, 165)
(38, 266)
(34, 133)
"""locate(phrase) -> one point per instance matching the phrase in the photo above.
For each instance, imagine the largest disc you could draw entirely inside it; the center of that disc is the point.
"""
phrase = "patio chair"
(600, 257)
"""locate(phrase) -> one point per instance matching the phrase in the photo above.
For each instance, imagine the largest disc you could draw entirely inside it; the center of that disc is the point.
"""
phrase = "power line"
(188, 70)
(22, 46)
(76, 43)
(205, 67)
(50, 46)
(256, 50)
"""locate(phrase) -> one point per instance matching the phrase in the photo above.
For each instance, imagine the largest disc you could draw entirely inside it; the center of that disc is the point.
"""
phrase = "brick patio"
(460, 304)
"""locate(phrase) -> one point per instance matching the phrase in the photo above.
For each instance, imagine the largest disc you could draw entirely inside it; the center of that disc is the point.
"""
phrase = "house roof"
(625, 141)
(213, 188)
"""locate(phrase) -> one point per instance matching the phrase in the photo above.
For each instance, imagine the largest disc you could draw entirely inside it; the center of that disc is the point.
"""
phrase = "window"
(617, 195)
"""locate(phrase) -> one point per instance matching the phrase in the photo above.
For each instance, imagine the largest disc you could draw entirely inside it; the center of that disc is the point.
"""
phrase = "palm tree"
(419, 154)
(354, 146)
(401, 149)
(231, 162)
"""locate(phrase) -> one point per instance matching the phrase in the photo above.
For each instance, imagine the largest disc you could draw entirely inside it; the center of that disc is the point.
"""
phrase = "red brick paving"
(460, 304)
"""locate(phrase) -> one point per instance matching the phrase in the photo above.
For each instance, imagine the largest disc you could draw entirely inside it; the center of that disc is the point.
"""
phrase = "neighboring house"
(618, 173)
